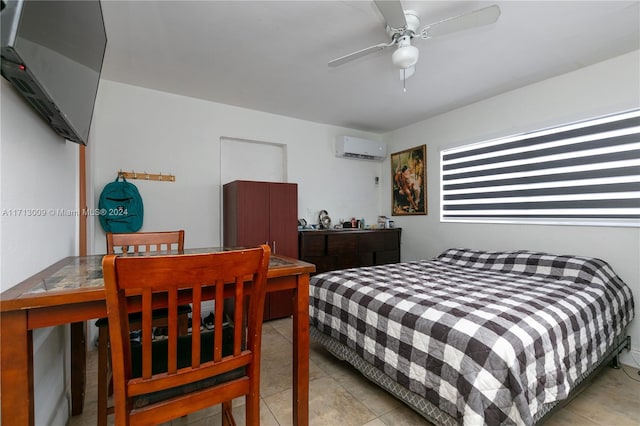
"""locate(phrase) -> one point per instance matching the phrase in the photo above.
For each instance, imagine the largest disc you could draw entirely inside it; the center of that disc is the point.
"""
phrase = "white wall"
(146, 130)
(604, 88)
(38, 171)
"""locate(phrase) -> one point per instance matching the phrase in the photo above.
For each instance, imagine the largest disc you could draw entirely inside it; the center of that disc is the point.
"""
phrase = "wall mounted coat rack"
(146, 176)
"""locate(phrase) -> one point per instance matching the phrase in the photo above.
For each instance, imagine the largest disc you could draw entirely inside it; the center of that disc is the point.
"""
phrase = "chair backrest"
(144, 283)
(145, 242)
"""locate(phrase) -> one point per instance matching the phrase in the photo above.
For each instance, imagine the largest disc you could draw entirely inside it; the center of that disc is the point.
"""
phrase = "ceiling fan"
(403, 25)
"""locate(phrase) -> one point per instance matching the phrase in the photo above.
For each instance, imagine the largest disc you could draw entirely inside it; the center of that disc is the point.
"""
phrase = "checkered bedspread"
(488, 337)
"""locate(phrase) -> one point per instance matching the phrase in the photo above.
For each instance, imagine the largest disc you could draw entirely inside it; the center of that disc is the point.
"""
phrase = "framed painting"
(409, 184)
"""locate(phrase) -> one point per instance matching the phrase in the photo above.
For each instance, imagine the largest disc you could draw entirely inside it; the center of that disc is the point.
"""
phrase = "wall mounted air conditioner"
(351, 147)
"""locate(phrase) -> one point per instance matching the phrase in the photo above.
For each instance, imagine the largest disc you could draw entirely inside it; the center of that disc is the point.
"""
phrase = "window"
(585, 173)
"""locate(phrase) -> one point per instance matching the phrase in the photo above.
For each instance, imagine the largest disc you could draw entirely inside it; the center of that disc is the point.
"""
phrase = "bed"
(475, 337)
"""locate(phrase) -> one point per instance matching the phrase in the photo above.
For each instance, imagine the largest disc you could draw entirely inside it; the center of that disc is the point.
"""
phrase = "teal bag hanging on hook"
(120, 206)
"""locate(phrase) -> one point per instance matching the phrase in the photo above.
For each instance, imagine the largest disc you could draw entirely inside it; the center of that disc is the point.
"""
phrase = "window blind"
(581, 173)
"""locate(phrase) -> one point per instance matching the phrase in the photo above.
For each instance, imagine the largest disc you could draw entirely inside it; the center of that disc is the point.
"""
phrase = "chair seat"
(156, 314)
(159, 364)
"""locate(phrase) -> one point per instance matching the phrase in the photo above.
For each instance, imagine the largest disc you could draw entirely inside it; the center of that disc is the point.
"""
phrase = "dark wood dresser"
(349, 248)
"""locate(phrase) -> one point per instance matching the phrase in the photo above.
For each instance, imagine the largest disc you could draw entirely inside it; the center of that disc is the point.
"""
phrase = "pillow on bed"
(576, 268)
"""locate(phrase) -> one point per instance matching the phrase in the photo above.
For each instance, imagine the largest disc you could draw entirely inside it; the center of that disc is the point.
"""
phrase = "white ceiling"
(272, 56)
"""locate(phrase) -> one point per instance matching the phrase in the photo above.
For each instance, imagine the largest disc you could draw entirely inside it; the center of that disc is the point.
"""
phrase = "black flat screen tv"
(52, 53)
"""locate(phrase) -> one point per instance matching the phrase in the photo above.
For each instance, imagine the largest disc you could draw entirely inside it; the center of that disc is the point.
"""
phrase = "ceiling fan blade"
(477, 18)
(355, 55)
(393, 13)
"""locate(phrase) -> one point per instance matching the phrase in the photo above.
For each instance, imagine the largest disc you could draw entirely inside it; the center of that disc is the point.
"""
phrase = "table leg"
(78, 366)
(301, 352)
(16, 369)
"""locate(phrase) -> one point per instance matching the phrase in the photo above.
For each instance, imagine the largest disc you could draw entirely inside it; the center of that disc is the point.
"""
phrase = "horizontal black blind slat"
(571, 204)
(589, 189)
(578, 161)
(560, 216)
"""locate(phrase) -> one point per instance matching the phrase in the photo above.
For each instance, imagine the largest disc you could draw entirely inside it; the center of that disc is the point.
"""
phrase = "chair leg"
(227, 414)
(252, 409)
(103, 374)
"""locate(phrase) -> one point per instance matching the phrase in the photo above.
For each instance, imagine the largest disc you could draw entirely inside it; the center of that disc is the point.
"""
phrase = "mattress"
(483, 337)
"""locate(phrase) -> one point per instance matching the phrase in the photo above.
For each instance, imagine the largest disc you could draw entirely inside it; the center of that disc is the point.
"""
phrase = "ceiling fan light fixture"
(405, 56)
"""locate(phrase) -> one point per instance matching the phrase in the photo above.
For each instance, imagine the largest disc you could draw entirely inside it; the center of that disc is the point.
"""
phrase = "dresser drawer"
(313, 245)
(372, 241)
(342, 243)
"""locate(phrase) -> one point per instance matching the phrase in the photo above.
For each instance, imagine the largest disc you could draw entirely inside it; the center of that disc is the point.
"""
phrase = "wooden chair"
(145, 242)
(155, 382)
(125, 244)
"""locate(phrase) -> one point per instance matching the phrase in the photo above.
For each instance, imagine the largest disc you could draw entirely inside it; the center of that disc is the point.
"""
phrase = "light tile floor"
(339, 395)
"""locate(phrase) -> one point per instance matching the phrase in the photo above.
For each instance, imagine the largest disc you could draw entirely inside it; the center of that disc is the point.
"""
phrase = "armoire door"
(283, 229)
(283, 218)
(253, 199)
(246, 214)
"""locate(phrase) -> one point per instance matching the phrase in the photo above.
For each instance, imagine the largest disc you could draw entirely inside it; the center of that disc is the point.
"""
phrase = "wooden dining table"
(71, 291)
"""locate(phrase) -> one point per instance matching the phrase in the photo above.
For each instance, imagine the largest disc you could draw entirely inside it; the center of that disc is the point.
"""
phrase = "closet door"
(253, 213)
(283, 222)
(246, 213)
(283, 226)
